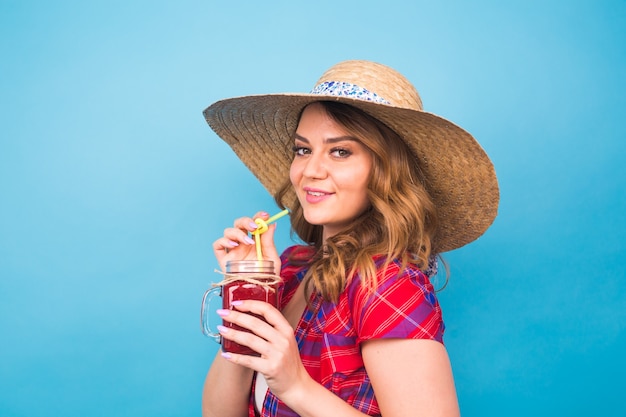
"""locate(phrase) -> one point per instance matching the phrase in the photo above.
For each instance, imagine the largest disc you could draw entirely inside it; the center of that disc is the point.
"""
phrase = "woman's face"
(330, 171)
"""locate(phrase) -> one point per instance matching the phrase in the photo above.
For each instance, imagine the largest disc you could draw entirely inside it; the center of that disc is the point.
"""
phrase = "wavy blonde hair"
(399, 224)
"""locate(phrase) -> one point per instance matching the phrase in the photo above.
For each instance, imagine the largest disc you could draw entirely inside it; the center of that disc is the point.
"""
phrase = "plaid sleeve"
(403, 306)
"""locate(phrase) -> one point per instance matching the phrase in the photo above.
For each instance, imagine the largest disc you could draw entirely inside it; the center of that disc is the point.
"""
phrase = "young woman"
(376, 188)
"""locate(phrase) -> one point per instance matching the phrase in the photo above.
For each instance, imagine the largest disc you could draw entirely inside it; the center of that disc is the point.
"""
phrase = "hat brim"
(458, 174)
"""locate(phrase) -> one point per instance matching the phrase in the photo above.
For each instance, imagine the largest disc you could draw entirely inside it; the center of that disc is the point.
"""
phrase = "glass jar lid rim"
(250, 266)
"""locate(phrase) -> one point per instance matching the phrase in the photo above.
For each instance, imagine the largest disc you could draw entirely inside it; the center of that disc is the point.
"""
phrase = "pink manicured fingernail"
(222, 312)
(236, 303)
(253, 225)
(222, 329)
(249, 240)
(226, 355)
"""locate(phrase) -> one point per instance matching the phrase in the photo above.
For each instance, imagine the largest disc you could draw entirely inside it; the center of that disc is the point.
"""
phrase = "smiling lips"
(315, 196)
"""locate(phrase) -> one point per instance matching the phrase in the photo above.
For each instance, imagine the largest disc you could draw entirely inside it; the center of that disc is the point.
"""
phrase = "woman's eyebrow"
(329, 140)
(300, 138)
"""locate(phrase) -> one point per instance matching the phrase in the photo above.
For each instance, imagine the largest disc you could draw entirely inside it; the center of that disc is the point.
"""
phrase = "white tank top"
(260, 391)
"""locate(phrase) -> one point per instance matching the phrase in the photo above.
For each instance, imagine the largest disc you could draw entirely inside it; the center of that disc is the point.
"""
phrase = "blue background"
(112, 189)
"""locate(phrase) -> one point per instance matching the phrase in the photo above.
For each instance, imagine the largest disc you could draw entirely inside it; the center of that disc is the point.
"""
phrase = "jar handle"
(204, 314)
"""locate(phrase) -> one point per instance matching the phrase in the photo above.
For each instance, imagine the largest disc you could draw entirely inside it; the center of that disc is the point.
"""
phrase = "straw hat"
(458, 174)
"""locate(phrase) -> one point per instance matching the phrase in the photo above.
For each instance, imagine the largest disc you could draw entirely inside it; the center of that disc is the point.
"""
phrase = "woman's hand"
(274, 340)
(236, 244)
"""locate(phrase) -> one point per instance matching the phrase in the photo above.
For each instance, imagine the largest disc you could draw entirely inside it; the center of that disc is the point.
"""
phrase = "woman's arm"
(227, 386)
(226, 390)
(411, 377)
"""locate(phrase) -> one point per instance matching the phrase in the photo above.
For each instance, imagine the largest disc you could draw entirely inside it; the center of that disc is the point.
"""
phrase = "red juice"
(242, 290)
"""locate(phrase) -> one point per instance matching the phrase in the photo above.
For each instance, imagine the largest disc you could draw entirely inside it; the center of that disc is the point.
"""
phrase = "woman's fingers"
(243, 317)
(236, 243)
(243, 338)
(230, 248)
(224, 244)
(280, 361)
(248, 224)
(270, 339)
(238, 234)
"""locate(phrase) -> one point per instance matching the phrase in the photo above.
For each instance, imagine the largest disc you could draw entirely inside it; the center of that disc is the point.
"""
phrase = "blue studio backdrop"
(112, 189)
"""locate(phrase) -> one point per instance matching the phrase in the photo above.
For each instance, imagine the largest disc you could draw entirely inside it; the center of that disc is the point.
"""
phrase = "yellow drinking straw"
(262, 228)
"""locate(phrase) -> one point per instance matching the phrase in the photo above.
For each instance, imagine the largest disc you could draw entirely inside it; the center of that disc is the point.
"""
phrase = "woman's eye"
(300, 150)
(341, 153)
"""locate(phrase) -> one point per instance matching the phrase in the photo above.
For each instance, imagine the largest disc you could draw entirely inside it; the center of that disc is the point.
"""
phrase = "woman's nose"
(315, 167)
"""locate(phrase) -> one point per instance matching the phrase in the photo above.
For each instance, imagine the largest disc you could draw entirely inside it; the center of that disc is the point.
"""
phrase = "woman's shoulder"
(395, 273)
(401, 303)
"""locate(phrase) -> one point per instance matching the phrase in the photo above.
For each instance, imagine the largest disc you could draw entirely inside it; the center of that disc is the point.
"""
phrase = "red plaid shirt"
(329, 334)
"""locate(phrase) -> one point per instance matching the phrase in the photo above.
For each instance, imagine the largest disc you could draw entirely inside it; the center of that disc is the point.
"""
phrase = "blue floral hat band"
(344, 89)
